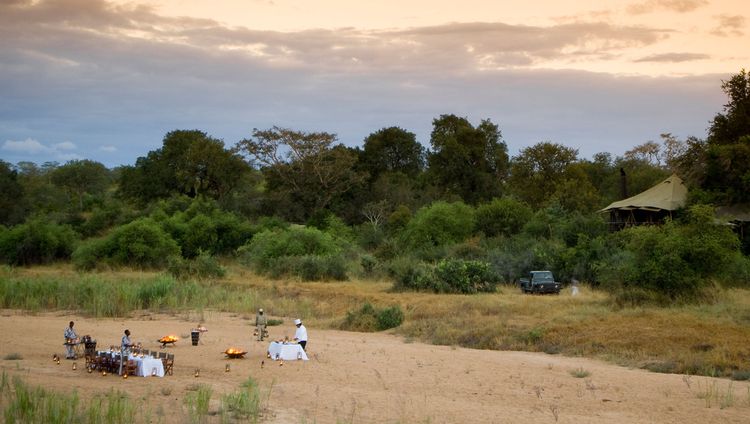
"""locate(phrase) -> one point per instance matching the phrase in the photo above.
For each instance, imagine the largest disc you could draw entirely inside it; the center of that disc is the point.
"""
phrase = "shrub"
(37, 241)
(140, 243)
(459, 276)
(439, 224)
(674, 261)
(369, 319)
(306, 252)
(390, 317)
(410, 274)
(202, 266)
(504, 216)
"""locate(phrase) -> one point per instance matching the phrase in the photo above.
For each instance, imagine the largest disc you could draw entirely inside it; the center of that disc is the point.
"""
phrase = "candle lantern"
(197, 372)
(75, 367)
(226, 368)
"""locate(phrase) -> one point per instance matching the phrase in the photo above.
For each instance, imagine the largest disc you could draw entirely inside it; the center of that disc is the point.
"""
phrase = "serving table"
(286, 351)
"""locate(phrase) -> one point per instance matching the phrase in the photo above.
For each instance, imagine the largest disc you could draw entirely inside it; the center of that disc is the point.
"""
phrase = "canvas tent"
(648, 207)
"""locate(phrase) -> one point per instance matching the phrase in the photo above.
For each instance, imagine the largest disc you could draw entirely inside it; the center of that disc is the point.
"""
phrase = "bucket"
(195, 335)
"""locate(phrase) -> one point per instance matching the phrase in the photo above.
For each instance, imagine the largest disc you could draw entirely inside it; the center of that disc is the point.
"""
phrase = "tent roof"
(669, 195)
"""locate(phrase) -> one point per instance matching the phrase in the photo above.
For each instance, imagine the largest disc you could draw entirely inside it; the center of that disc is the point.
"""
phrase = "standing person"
(70, 340)
(125, 346)
(300, 336)
(261, 322)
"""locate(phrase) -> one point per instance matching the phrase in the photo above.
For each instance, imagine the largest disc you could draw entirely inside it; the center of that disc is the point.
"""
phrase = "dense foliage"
(460, 217)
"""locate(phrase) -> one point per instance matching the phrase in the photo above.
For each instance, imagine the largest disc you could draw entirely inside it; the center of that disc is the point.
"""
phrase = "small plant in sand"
(197, 402)
(580, 373)
(15, 356)
(712, 394)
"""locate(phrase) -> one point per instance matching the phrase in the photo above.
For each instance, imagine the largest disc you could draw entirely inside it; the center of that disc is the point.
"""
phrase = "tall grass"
(197, 403)
(243, 405)
(709, 339)
(115, 297)
(21, 403)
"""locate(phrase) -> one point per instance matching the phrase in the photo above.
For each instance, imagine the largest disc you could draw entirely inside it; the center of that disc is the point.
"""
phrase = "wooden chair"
(131, 368)
(168, 363)
(89, 353)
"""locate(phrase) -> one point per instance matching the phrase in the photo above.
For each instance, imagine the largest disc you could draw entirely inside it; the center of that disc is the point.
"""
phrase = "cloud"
(674, 57)
(117, 78)
(32, 147)
(66, 145)
(680, 6)
(29, 146)
(729, 25)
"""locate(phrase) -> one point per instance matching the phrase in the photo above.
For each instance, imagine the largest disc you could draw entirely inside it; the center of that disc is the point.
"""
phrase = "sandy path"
(370, 378)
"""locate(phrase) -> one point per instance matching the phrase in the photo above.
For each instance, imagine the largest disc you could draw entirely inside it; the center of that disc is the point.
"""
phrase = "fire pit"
(234, 353)
(168, 340)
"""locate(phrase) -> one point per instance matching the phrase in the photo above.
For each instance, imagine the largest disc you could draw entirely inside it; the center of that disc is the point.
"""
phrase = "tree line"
(281, 175)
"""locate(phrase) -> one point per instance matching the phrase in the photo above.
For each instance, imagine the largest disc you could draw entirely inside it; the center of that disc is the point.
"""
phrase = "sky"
(107, 79)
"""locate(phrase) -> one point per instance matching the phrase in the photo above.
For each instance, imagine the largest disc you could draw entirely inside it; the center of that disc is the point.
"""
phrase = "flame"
(234, 351)
(169, 339)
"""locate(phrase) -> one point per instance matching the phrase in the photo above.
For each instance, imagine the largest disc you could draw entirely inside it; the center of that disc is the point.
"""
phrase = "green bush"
(505, 216)
(410, 274)
(460, 276)
(202, 266)
(369, 319)
(439, 224)
(141, 243)
(677, 261)
(306, 252)
(205, 227)
(37, 241)
(390, 317)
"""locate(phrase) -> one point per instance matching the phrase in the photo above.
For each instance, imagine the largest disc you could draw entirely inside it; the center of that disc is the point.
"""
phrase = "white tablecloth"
(287, 352)
(146, 365)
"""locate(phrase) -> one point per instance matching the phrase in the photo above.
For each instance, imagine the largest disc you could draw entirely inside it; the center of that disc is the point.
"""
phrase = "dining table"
(286, 351)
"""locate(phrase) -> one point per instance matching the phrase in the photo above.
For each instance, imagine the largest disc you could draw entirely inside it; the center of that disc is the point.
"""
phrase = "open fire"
(234, 352)
(171, 339)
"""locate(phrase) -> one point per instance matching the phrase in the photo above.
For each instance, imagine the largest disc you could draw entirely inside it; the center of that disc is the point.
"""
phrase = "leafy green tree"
(465, 161)
(190, 163)
(439, 224)
(720, 166)
(392, 150)
(537, 171)
(502, 216)
(305, 171)
(11, 195)
(79, 177)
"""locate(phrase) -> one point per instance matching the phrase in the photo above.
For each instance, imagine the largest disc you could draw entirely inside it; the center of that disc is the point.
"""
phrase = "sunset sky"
(106, 80)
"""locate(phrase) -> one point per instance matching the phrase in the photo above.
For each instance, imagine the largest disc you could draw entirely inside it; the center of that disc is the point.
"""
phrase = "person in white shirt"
(70, 340)
(300, 336)
(125, 346)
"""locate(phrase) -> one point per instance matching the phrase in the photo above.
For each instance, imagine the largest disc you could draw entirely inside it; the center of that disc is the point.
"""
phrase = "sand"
(367, 378)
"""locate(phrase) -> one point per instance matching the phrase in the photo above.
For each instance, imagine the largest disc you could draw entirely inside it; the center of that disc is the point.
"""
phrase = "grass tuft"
(580, 373)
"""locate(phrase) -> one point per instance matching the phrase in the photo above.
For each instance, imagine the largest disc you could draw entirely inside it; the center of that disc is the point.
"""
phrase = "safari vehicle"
(539, 282)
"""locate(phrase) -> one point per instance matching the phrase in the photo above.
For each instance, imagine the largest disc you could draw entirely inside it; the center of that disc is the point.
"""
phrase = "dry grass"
(700, 339)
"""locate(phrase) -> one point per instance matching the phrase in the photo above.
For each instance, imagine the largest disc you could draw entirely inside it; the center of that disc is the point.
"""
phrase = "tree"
(720, 166)
(79, 177)
(304, 171)
(392, 150)
(536, 172)
(190, 163)
(469, 162)
(734, 123)
(11, 194)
